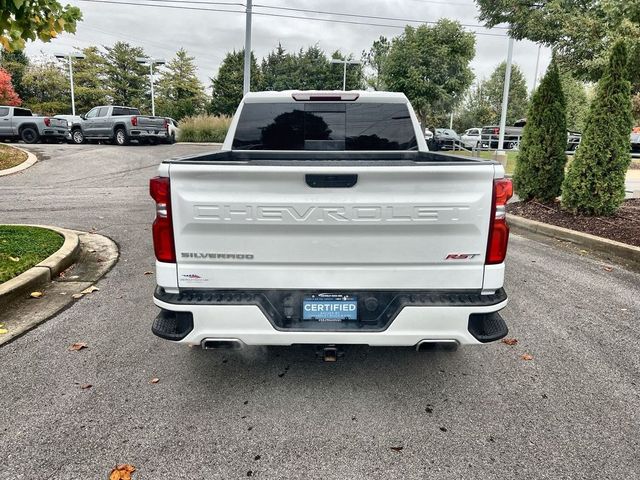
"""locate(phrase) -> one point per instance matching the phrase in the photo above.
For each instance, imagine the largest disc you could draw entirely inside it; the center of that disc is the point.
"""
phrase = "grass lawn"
(23, 247)
(512, 157)
(10, 157)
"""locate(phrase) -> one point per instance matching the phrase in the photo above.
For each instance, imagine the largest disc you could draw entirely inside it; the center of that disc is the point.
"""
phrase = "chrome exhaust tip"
(221, 344)
(431, 345)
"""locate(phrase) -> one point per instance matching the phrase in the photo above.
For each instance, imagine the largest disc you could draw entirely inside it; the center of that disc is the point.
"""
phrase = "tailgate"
(246, 226)
(58, 123)
(150, 122)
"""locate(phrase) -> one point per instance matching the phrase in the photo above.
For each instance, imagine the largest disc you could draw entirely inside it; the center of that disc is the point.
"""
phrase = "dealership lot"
(480, 412)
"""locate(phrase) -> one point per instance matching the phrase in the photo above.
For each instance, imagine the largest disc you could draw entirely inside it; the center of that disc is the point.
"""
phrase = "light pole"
(501, 156)
(344, 74)
(246, 86)
(70, 57)
(535, 77)
(151, 62)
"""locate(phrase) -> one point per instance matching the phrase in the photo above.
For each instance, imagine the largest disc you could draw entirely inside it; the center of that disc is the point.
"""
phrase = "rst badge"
(461, 256)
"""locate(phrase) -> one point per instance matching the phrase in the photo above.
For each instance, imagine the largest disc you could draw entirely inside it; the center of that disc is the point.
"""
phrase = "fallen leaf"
(148, 273)
(14, 259)
(510, 341)
(397, 449)
(608, 269)
(77, 295)
(77, 346)
(3, 331)
(155, 380)
(91, 289)
(36, 294)
(526, 356)
(122, 472)
(85, 386)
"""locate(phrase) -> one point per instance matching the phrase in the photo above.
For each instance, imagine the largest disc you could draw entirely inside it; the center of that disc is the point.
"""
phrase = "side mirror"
(83, 116)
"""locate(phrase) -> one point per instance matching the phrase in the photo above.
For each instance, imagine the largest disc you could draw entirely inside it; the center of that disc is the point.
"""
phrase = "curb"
(599, 244)
(31, 159)
(204, 144)
(44, 271)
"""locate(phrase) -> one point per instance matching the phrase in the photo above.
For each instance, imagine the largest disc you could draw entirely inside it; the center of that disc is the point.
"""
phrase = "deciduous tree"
(47, 90)
(430, 64)
(22, 20)
(518, 94)
(8, 96)
(374, 62)
(15, 62)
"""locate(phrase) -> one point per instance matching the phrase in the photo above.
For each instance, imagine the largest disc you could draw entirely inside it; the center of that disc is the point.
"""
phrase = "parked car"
(444, 139)
(635, 140)
(173, 130)
(267, 242)
(20, 123)
(471, 137)
(489, 137)
(119, 125)
(72, 121)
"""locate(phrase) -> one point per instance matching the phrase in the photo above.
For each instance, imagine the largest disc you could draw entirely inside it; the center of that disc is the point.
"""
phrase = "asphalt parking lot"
(477, 413)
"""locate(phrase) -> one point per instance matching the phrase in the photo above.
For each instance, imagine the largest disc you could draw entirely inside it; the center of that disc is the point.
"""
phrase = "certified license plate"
(330, 308)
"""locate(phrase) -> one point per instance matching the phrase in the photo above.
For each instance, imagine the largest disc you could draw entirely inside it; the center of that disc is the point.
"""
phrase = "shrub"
(204, 128)
(594, 184)
(541, 160)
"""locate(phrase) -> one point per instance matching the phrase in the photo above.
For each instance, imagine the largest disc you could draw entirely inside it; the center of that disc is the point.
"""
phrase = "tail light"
(498, 228)
(496, 131)
(165, 125)
(134, 121)
(163, 243)
(47, 121)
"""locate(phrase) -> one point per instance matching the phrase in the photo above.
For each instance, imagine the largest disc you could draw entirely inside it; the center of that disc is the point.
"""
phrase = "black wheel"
(77, 136)
(29, 135)
(121, 137)
(172, 138)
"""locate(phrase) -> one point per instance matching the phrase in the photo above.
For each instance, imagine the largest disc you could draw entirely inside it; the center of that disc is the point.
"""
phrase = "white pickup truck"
(325, 220)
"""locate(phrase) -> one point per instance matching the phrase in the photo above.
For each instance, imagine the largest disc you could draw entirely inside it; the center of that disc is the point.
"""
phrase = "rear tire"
(172, 138)
(121, 137)
(77, 136)
(29, 135)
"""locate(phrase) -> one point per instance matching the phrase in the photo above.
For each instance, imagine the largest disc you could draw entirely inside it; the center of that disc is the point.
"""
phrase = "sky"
(209, 35)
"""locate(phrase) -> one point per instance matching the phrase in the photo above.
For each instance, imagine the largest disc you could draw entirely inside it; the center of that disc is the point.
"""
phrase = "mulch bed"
(623, 227)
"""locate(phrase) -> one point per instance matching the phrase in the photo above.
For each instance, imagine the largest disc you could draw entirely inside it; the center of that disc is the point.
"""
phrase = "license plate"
(330, 308)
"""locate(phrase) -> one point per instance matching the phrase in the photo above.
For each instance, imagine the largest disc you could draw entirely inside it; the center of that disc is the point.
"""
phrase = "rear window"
(22, 112)
(120, 111)
(324, 126)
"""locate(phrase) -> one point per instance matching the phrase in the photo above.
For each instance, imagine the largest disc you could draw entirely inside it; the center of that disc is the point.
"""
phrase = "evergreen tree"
(90, 79)
(127, 80)
(278, 70)
(594, 183)
(227, 86)
(541, 160)
(180, 92)
(15, 63)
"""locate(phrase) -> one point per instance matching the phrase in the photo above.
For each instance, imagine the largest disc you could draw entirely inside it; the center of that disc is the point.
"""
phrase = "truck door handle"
(331, 181)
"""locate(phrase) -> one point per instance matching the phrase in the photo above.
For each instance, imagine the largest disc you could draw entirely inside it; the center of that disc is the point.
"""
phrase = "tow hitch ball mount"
(329, 353)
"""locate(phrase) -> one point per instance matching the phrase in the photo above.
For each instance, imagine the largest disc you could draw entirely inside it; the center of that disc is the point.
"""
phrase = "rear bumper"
(151, 133)
(192, 319)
